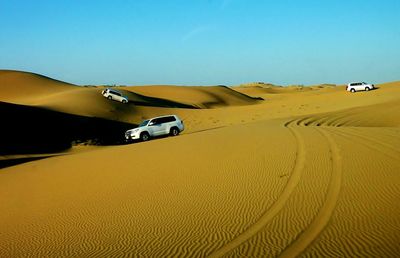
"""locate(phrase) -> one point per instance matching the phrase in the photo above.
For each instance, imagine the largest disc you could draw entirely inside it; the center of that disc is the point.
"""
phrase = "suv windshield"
(144, 123)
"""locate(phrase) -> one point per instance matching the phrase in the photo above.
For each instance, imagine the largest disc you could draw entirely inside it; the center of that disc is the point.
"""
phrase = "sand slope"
(19, 86)
(40, 91)
(198, 96)
(310, 173)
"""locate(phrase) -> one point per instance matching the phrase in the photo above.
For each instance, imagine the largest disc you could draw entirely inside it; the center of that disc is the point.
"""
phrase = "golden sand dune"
(312, 173)
(198, 96)
(40, 91)
(19, 86)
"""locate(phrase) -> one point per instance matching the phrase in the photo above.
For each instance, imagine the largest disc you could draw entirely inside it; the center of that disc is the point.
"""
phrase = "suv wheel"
(174, 131)
(367, 88)
(124, 101)
(353, 90)
(144, 136)
(109, 97)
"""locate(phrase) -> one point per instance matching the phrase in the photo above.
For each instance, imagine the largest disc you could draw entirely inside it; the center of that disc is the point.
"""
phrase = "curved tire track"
(293, 181)
(353, 132)
(385, 149)
(325, 213)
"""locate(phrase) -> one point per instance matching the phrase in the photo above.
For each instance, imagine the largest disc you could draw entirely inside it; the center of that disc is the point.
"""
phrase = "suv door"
(117, 96)
(156, 126)
(169, 122)
(164, 128)
(359, 86)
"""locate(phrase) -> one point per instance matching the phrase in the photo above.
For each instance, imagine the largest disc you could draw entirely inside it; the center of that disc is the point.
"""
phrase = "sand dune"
(303, 173)
(198, 96)
(19, 86)
(40, 91)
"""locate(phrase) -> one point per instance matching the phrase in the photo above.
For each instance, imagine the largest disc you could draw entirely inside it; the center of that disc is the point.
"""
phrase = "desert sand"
(260, 171)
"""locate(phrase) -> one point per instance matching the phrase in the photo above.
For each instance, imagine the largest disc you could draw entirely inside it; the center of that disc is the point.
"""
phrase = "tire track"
(363, 141)
(293, 181)
(324, 215)
(371, 139)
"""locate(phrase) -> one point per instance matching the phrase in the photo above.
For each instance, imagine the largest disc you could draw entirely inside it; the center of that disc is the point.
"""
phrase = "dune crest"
(198, 96)
(21, 86)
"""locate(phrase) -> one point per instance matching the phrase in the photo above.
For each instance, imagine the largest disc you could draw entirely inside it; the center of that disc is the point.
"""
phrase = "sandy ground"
(310, 171)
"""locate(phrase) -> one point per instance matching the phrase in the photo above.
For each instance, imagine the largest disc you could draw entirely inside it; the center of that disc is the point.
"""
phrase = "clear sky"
(202, 42)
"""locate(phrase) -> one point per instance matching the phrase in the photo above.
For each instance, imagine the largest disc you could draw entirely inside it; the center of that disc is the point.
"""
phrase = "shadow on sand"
(27, 129)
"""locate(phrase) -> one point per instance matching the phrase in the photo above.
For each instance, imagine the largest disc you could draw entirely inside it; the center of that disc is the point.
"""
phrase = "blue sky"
(202, 42)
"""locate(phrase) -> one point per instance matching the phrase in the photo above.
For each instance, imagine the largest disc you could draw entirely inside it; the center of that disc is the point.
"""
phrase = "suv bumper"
(130, 137)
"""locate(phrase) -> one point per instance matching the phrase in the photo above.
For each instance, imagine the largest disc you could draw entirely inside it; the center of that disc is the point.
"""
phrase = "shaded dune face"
(39, 130)
(310, 173)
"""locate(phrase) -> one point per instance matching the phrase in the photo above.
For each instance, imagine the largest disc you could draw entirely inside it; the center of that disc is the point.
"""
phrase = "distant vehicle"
(357, 86)
(114, 95)
(158, 126)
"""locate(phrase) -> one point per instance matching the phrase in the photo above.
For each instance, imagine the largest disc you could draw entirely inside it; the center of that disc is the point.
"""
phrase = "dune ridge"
(36, 90)
(21, 86)
(198, 96)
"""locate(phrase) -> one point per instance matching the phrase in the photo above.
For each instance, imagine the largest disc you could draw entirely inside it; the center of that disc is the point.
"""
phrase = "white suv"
(114, 95)
(356, 86)
(158, 126)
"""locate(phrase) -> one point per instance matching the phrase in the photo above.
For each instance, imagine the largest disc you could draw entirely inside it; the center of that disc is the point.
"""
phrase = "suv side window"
(155, 121)
(169, 119)
(115, 93)
(162, 120)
